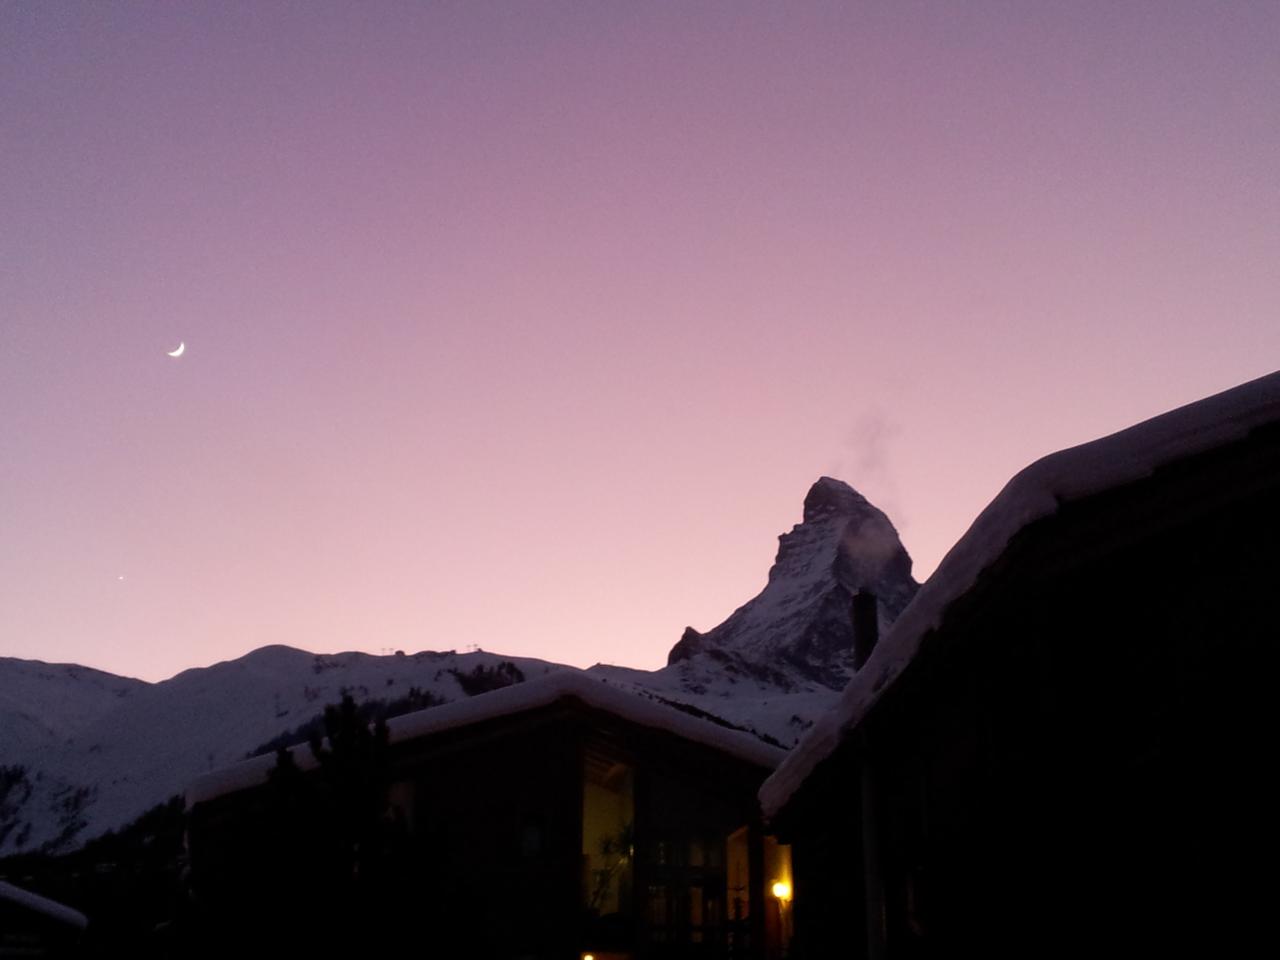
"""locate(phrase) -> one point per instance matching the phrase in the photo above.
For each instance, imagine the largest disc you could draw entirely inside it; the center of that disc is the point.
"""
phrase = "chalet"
(1064, 744)
(564, 817)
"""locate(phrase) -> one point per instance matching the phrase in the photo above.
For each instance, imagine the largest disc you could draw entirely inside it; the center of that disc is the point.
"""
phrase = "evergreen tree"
(354, 780)
(332, 848)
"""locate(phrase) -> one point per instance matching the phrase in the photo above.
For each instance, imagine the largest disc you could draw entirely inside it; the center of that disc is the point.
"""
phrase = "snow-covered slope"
(779, 660)
(83, 752)
(44, 704)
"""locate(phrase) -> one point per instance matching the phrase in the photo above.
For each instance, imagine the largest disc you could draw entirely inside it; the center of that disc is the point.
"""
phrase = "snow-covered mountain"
(798, 629)
(778, 661)
(82, 751)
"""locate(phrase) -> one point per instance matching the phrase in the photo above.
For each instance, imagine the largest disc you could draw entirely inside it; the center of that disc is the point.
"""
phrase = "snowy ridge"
(42, 704)
(1034, 493)
(593, 691)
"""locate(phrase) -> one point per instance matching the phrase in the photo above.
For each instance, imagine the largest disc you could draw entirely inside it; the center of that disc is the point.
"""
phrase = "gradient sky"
(529, 325)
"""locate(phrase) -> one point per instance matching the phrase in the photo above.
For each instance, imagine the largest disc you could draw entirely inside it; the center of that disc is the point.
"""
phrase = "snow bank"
(1036, 492)
(43, 905)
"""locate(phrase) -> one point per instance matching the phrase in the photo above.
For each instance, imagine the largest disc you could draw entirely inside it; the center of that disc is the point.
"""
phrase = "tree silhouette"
(331, 848)
(354, 780)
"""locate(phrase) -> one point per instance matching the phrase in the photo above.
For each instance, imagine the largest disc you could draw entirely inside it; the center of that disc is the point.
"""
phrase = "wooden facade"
(560, 831)
(1076, 760)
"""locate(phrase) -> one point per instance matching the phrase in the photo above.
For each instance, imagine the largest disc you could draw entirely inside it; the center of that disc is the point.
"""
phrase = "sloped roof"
(43, 905)
(1036, 492)
(592, 691)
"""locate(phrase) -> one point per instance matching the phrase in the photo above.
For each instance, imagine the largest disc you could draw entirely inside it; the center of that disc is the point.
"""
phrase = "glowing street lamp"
(781, 891)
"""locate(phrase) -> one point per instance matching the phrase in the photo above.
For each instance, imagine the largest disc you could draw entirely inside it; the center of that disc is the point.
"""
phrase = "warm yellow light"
(588, 956)
(782, 890)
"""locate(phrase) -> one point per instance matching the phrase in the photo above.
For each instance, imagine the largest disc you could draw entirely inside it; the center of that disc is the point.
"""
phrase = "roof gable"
(597, 693)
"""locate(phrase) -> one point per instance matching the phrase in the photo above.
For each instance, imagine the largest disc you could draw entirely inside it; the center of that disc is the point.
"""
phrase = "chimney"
(866, 627)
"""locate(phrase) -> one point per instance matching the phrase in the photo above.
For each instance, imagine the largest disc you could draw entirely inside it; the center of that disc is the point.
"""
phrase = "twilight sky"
(528, 325)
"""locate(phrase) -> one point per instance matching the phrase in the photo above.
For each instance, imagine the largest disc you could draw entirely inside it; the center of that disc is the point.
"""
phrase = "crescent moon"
(177, 353)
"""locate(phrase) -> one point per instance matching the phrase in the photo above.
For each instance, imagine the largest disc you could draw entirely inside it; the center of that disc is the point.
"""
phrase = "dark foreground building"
(560, 818)
(1065, 745)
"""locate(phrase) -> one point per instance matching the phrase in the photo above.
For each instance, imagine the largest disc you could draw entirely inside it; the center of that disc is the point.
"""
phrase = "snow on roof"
(1036, 492)
(594, 692)
(39, 904)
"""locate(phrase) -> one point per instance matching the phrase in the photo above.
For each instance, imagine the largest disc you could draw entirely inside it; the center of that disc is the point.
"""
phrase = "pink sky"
(529, 325)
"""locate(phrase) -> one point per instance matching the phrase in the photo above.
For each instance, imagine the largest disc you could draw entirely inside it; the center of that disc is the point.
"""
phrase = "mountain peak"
(798, 630)
(830, 497)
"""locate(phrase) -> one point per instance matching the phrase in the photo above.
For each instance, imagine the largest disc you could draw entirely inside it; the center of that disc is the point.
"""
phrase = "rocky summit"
(798, 630)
